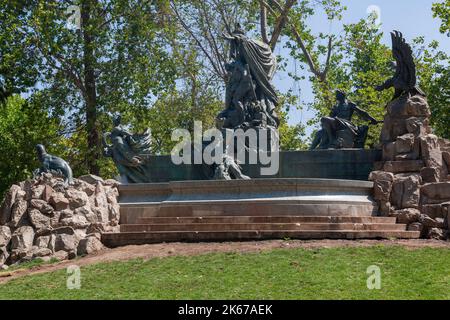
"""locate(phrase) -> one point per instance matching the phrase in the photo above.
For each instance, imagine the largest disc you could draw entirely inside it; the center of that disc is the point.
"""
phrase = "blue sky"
(412, 17)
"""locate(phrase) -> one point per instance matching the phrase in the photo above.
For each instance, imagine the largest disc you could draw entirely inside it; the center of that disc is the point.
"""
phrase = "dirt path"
(190, 249)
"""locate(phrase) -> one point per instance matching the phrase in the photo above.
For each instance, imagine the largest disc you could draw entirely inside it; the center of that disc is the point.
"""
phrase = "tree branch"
(281, 23)
(215, 64)
(321, 75)
(211, 39)
(263, 22)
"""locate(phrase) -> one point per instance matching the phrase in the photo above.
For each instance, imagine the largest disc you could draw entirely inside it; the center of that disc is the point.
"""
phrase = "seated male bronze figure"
(338, 131)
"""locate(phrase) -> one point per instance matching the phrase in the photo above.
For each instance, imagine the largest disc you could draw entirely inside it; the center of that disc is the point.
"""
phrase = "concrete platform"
(251, 210)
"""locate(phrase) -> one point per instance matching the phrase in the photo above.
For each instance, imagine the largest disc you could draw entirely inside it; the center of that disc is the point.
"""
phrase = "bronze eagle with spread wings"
(404, 80)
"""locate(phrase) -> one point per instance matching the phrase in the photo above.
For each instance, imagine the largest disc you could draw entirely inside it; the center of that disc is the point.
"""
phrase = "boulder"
(382, 190)
(405, 143)
(52, 242)
(114, 212)
(40, 252)
(42, 206)
(434, 210)
(384, 207)
(112, 194)
(22, 238)
(96, 228)
(18, 216)
(7, 204)
(76, 198)
(407, 216)
(77, 222)
(389, 151)
(436, 233)
(65, 214)
(102, 214)
(416, 126)
(81, 233)
(430, 175)
(20, 255)
(5, 236)
(431, 223)
(39, 221)
(446, 158)
(91, 179)
(417, 106)
(66, 242)
(112, 183)
(85, 187)
(379, 175)
(89, 245)
(42, 241)
(59, 201)
(437, 191)
(406, 191)
(37, 191)
(403, 166)
(61, 255)
(47, 193)
(4, 255)
(430, 150)
(54, 221)
(64, 230)
(100, 196)
(83, 211)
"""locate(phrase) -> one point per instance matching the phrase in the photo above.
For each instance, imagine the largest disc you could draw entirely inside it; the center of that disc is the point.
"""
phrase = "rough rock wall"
(43, 218)
(412, 182)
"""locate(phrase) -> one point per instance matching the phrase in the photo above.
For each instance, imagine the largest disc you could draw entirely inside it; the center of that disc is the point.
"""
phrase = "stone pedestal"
(412, 180)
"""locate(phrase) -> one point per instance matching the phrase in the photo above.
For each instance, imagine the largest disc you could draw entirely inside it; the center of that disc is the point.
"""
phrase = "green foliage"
(441, 10)
(292, 137)
(178, 109)
(331, 273)
(152, 71)
(23, 124)
(118, 59)
(434, 78)
(360, 62)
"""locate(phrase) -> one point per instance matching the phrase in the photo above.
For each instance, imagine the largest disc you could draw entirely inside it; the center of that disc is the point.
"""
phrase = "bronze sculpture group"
(250, 102)
(250, 97)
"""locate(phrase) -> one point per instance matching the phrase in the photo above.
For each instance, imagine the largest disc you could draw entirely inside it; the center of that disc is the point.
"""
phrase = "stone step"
(130, 213)
(256, 197)
(260, 227)
(265, 219)
(136, 238)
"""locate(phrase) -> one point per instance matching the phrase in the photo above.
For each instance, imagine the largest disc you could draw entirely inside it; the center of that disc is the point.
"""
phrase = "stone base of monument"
(251, 210)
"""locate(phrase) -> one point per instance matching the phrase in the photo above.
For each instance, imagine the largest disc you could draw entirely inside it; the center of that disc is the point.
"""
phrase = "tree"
(361, 61)
(23, 124)
(204, 22)
(441, 10)
(434, 78)
(115, 59)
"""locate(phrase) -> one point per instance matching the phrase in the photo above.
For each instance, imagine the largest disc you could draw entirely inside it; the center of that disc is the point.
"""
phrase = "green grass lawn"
(337, 273)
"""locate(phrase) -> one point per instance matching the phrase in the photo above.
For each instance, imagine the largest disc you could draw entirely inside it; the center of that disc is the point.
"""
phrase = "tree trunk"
(93, 135)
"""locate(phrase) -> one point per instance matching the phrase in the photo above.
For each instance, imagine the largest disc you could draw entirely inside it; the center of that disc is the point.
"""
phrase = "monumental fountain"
(315, 194)
(321, 193)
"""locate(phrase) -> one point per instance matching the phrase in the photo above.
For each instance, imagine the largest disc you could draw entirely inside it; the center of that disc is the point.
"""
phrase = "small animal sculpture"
(54, 165)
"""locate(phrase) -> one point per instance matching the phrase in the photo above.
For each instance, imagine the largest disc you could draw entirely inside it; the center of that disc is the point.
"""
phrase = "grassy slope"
(338, 273)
